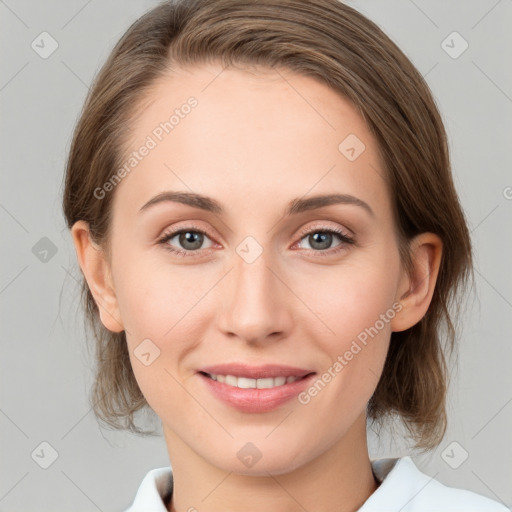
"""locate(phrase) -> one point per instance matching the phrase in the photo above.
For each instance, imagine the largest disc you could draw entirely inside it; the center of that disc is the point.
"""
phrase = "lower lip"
(256, 400)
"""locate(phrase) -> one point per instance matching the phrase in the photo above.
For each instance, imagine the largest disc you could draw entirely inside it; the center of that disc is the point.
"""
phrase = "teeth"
(248, 383)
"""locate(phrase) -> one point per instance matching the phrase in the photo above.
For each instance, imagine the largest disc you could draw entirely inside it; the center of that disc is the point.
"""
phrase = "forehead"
(248, 134)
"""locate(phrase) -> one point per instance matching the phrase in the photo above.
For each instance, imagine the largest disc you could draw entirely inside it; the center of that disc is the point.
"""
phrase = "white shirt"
(403, 488)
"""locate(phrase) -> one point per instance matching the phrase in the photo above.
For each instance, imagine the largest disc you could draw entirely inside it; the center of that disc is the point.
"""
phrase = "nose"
(256, 304)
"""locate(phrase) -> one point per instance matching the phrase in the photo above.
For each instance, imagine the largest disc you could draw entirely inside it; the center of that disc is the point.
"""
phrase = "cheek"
(155, 299)
(355, 304)
(350, 298)
(160, 304)
(170, 306)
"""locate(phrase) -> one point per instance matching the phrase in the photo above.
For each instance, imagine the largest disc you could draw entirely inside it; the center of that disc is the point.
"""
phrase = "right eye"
(191, 239)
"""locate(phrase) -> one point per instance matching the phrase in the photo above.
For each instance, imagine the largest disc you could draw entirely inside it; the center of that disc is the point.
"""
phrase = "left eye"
(321, 239)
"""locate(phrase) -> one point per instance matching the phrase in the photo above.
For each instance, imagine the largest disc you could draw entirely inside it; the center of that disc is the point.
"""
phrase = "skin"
(257, 135)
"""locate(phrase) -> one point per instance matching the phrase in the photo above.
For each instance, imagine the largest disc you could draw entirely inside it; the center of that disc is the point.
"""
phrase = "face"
(259, 274)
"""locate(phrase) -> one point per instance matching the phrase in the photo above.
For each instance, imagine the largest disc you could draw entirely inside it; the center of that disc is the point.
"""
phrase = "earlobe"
(96, 270)
(416, 290)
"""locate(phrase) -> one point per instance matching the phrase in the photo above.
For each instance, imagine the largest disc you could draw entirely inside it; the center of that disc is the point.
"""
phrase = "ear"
(96, 270)
(415, 291)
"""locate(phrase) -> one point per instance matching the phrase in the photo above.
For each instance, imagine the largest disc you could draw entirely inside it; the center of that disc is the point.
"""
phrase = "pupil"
(188, 238)
(323, 239)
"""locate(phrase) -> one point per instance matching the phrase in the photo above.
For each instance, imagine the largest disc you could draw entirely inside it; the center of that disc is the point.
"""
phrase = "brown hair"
(337, 45)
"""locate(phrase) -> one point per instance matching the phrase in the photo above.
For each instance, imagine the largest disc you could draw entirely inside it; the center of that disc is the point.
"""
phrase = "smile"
(249, 383)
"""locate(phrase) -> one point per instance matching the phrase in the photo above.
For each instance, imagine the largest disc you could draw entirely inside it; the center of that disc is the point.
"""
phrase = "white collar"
(403, 487)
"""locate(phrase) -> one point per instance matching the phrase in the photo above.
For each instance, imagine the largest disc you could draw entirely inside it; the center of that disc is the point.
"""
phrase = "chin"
(261, 458)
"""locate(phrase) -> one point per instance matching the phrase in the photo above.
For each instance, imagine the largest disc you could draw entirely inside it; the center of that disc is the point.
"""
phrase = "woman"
(261, 202)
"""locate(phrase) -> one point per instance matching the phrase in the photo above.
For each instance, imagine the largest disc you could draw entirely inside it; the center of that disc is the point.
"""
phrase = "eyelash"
(345, 239)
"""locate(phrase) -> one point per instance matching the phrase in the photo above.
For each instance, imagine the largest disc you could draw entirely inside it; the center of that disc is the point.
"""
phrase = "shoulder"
(154, 492)
(404, 487)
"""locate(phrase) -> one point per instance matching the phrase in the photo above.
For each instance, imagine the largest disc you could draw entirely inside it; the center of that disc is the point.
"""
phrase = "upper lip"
(255, 372)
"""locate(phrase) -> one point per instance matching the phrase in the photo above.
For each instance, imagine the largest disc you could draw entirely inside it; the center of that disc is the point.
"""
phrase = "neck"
(340, 479)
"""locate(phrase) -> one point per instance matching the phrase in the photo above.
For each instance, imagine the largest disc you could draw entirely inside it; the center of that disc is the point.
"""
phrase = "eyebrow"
(294, 207)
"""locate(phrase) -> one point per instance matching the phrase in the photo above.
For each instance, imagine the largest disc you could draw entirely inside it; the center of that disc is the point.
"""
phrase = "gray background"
(45, 367)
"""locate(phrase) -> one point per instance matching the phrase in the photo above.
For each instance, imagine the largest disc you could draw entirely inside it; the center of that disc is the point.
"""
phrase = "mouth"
(252, 383)
(255, 389)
